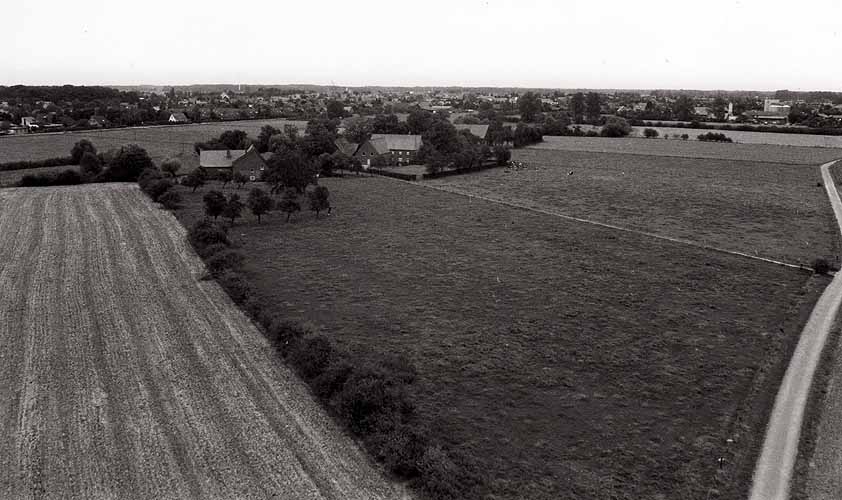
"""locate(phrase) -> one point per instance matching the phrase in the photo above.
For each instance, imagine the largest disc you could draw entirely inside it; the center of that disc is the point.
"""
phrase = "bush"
(205, 233)
(311, 355)
(821, 266)
(281, 332)
(234, 284)
(170, 200)
(67, 177)
(156, 188)
(226, 260)
(714, 137)
(502, 155)
(211, 250)
(332, 380)
(650, 133)
(616, 127)
(368, 394)
(26, 165)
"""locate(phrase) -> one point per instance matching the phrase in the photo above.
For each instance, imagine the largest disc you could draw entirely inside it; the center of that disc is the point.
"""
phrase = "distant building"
(178, 118)
(775, 107)
(27, 121)
(393, 148)
(243, 161)
(97, 121)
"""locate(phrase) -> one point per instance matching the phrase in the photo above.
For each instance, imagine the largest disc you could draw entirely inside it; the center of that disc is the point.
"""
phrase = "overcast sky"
(710, 44)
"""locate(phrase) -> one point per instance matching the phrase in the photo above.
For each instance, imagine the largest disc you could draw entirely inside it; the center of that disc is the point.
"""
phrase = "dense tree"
(593, 106)
(89, 165)
(171, 167)
(682, 108)
(225, 177)
(259, 202)
(266, 133)
(616, 127)
(502, 155)
(79, 150)
(170, 200)
(319, 137)
(335, 109)
(233, 208)
(719, 108)
(388, 124)
(128, 163)
(529, 105)
(577, 107)
(419, 121)
(289, 203)
(215, 203)
(319, 200)
(290, 169)
(359, 129)
(650, 133)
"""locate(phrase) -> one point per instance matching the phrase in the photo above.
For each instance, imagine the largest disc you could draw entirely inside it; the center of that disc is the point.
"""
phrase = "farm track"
(125, 376)
(773, 473)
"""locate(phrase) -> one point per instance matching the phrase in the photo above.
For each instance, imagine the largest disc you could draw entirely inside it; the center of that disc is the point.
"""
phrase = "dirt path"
(124, 376)
(773, 472)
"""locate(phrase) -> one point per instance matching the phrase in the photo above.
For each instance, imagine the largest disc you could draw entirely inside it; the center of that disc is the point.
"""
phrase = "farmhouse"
(393, 148)
(97, 121)
(480, 131)
(178, 117)
(234, 161)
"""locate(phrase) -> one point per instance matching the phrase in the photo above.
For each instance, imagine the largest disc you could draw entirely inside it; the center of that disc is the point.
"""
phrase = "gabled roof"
(219, 158)
(398, 142)
(345, 146)
(251, 160)
(379, 144)
(477, 130)
(179, 116)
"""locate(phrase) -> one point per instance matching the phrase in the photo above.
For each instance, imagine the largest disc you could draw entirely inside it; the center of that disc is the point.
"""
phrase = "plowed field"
(125, 376)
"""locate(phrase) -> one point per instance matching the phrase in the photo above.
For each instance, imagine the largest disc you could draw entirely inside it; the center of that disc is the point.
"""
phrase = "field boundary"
(606, 225)
(631, 153)
(773, 474)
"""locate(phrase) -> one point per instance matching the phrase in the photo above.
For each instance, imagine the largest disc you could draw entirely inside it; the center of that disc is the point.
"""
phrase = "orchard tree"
(289, 203)
(171, 167)
(194, 179)
(215, 203)
(225, 176)
(259, 202)
(240, 179)
(319, 200)
(233, 208)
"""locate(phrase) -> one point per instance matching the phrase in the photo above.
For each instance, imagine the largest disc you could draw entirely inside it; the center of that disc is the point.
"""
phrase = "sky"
(647, 44)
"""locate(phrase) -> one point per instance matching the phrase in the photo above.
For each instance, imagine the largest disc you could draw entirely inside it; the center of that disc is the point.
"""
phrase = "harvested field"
(572, 361)
(751, 137)
(161, 142)
(770, 210)
(693, 149)
(125, 376)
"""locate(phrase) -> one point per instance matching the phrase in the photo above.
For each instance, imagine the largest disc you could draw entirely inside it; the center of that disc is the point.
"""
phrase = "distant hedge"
(396, 175)
(374, 400)
(25, 165)
(458, 171)
(67, 177)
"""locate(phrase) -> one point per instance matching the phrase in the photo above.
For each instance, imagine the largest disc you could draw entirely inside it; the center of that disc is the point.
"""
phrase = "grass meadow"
(571, 361)
(693, 149)
(767, 209)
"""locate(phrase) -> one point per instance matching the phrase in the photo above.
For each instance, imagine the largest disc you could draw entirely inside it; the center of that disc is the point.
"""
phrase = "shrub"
(212, 249)
(402, 449)
(616, 127)
(226, 260)
(215, 203)
(171, 167)
(170, 200)
(821, 266)
(368, 394)
(684, 137)
(281, 332)
(650, 133)
(332, 380)
(35, 180)
(205, 233)
(714, 137)
(156, 188)
(502, 155)
(90, 165)
(129, 163)
(311, 355)
(80, 149)
(26, 165)
(233, 284)
(68, 177)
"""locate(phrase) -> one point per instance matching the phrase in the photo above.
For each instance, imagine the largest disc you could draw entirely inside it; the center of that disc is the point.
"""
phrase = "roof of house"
(179, 116)
(478, 130)
(222, 158)
(251, 160)
(397, 142)
(345, 146)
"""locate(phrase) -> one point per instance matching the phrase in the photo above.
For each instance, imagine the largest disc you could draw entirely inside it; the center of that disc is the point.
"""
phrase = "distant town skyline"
(719, 45)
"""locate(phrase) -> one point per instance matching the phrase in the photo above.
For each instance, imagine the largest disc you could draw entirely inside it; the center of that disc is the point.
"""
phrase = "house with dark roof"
(97, 121)
(395, 149)
(234, 161)
(345, 146)
(480, 131)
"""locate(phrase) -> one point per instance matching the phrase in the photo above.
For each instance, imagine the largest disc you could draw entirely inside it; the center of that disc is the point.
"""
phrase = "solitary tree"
(650, 133)
(233, 208)
(319, 200)
(193, 180)
(90, 165)
(128, 164)
(259, 202)
(289, 202)
(593, 106)
(215, 203)
(171, 167)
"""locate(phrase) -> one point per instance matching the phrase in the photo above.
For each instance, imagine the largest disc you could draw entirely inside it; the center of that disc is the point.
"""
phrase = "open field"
(161, 142)
(770, 210)
(693, 149)
(125, 376)
(12, 177)
(749, 137)
(572, 361)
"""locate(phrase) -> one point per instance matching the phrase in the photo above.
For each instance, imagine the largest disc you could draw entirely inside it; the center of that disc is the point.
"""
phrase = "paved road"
(122, 375)
(773, 472)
